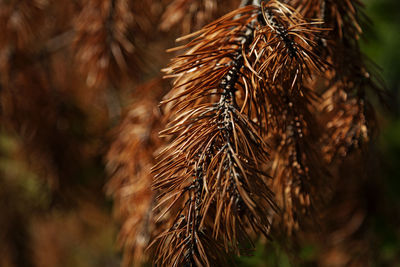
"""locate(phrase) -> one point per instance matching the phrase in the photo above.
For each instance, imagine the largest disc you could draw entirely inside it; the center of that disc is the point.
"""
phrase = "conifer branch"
(234, 72)
(210, 170)
(103, 41)
(346, 111)
(284, 70)
(268, 113)
(129, 161)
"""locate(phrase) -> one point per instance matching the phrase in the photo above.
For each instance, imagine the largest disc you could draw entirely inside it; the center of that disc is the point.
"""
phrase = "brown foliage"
(239, 83)
(104, 40)
(267, 112)
(191, 15)
(129, 161)
(57, 120)
(254, 77)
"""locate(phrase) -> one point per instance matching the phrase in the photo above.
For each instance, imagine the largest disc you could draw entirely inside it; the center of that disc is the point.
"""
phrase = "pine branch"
(346, 111)
(234, 73)
(211, 166)
(104, 45)
(284, 70)
(129, 161)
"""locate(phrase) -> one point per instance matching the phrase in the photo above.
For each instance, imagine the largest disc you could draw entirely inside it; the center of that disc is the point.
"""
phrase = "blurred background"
(62, 95)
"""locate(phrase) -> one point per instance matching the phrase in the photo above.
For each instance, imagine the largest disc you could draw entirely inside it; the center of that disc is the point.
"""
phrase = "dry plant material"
(192, 14)
(296, 167)
(104, 42)
(20, 22)
(346, 115)
(349, 125)
(239, 84)
(129, 161)
(346, 130)
(267, 103)
(45, 105)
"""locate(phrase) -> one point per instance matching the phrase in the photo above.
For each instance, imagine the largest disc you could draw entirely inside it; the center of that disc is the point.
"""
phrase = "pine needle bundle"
(238, 85)
(345, 110)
